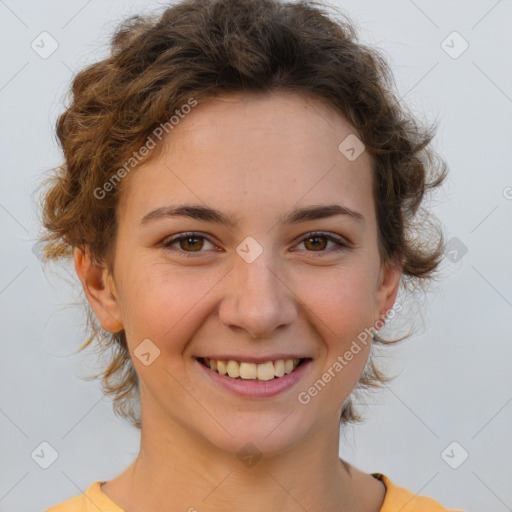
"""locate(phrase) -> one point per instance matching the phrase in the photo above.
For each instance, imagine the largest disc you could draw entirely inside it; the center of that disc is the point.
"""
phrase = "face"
(257, 289)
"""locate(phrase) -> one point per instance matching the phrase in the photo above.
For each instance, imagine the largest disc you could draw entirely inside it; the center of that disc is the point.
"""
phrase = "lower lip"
(258, 389)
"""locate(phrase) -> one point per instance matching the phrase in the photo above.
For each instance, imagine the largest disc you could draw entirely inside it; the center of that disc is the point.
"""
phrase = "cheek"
(341, 300)
(160, 303)
(341, 309)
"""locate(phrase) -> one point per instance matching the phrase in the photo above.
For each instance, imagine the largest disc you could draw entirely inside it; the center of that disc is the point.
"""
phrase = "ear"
(389, 281)
(99, 288)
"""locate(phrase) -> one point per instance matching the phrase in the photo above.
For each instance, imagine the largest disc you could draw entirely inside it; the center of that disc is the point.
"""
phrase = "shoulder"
(400, 498)
(91, 500)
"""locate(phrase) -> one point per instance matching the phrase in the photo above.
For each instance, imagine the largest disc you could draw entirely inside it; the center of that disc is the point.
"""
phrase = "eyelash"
(340, 244)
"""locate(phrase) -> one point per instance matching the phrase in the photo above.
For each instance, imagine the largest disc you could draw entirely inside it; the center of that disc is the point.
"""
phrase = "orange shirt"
(397, 498)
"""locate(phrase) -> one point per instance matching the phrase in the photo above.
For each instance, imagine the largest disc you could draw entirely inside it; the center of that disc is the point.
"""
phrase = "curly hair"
(204, 48)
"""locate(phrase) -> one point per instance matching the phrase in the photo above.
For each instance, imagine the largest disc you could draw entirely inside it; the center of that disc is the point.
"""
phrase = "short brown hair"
(204, 48)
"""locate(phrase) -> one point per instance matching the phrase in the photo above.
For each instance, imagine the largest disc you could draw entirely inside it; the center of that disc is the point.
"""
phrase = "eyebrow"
(207, 214)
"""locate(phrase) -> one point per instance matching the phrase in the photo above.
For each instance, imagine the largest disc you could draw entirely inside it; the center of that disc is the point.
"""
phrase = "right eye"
(191, 242)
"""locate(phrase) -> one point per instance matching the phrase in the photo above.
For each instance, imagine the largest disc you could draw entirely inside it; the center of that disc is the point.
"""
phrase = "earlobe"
(99, 289)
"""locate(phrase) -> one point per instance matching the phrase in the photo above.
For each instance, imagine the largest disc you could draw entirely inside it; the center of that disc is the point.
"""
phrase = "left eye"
(193, 242)
(315, 237)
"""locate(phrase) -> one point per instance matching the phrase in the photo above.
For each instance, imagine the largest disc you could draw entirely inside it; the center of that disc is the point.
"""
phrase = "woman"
(239, 193)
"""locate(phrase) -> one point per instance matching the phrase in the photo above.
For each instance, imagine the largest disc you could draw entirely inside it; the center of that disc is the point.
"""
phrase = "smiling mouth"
(240, 370)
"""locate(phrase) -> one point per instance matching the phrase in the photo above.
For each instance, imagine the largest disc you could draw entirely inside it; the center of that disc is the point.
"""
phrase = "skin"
(254, 157)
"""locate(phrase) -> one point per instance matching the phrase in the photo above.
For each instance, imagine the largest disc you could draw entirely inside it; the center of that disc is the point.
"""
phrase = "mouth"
(256, 372)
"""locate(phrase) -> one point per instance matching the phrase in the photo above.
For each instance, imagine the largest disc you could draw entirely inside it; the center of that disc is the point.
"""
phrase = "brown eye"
(193, 243)
(317, 242)
(186, 243)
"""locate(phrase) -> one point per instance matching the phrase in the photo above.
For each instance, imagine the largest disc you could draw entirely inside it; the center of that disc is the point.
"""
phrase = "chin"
(259, 435)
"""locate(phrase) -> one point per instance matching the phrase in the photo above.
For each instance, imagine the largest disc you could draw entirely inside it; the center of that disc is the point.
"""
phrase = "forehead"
(254, 151)
(266, 120)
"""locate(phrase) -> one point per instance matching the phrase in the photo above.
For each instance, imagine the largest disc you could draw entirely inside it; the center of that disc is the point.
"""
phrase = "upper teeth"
(262, 371)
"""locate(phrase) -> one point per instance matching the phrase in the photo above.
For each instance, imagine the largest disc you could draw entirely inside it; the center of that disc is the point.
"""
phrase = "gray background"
(454, 383)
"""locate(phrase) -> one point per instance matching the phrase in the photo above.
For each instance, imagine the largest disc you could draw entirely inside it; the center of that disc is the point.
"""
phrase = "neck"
(178, 470)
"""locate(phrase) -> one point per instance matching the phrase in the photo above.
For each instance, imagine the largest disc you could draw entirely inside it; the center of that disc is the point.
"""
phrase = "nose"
(258, 299)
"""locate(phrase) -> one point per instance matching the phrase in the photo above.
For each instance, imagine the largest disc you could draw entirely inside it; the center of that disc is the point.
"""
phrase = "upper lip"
(253, 359)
